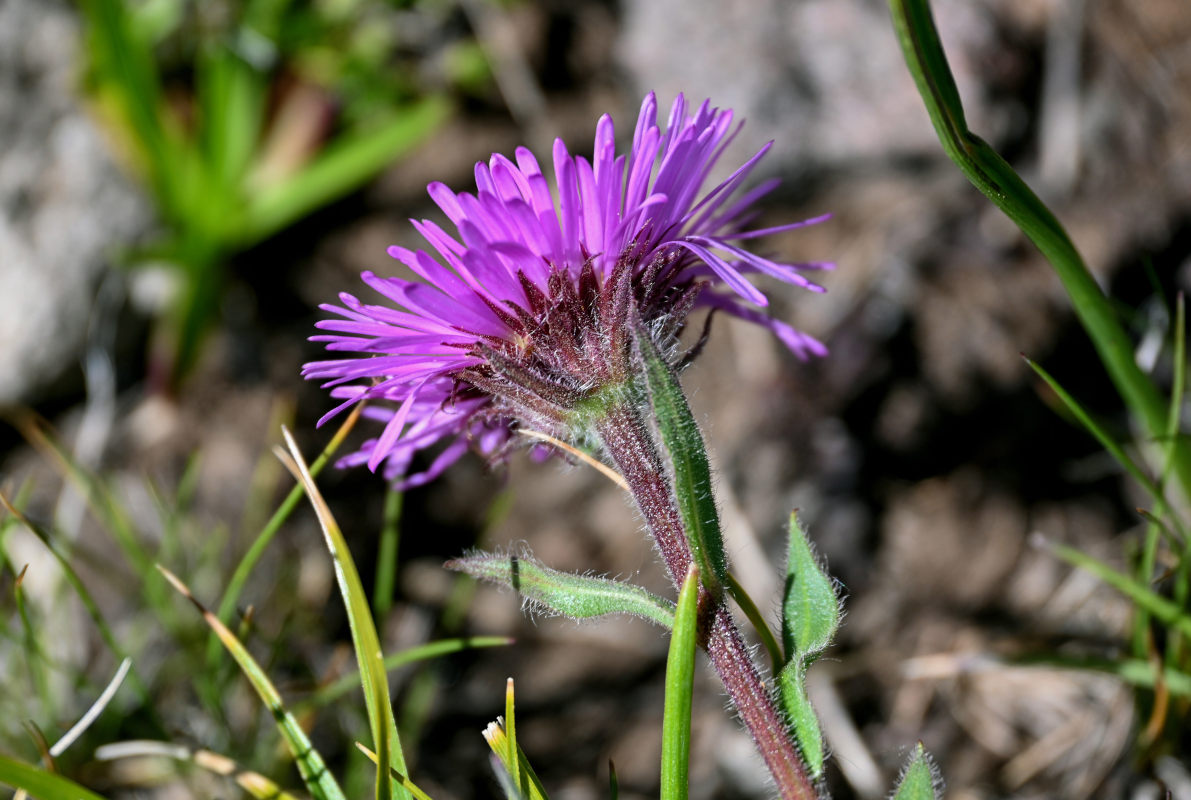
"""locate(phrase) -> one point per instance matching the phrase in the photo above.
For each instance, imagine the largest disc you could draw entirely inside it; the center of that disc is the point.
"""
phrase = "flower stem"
(630, 444)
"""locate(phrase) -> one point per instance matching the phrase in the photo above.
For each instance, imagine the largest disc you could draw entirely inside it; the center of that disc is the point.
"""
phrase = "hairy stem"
(630, 443)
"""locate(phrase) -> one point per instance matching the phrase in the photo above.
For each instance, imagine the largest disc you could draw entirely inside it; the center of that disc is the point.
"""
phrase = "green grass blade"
(497, 741)
(993, 176)
(315, 775)
(80, 589)
(1158, 606)
(343, 168)
(1133, 671)
(364, 636)
(511, 759)
(397, 776)
(41, 784)
(386, 555)
(424, 652)
(37, 663)
(231, 96)
(680, 685)
(688, 458)
(123, 71)
(1094, 428)
(235, 587)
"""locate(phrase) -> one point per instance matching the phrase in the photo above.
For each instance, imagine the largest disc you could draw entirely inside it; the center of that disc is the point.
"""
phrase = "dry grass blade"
(94, 711)
(603, 468)
(254, 783)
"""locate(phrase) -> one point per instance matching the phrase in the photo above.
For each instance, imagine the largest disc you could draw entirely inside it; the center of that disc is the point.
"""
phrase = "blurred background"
(182, 183)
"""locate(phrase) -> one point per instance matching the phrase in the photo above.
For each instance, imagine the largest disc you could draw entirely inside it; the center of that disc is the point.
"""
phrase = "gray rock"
(825, 78)
(65, 208)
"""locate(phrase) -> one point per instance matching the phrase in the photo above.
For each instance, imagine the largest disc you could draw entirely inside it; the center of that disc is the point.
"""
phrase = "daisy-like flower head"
(531, 308)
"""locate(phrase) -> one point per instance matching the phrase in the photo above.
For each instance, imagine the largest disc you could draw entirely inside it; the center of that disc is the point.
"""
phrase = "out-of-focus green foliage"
(241, 118)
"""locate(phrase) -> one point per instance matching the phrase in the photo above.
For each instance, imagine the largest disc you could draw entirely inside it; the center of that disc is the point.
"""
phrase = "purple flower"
(532, 307)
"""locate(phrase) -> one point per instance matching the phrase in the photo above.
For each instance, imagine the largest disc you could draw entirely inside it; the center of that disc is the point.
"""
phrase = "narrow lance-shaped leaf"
(918, 780)
(680, 683)
(692, 472)
(803, 720)
(810, 607)
(364, 636)
(569, 595)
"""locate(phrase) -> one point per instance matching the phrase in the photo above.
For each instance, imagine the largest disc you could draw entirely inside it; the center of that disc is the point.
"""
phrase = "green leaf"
(347, 683)
(1106, 441)
(344, 167)
(810, 607)
(315, 775)
(554, 592)
(688, 458)
(1162, 609)
(993, 176)
(41, 784)
(76, 583)
(917, 781)
(386, 555)
(231, 595)
(1133, 671)
(802, 717)
(369, 656)
(680, 684)
(231, 94)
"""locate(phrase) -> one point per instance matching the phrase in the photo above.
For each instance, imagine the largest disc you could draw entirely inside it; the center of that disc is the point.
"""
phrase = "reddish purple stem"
(630, 444)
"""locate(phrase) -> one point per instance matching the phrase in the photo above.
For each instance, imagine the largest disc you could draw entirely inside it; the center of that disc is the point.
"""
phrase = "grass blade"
(386, 555)
(530, 788)
(1158, 606)
(254, 783)
(314, 771)
(76, 583)
(680, 684)
(347, 683)
(1094, 428)
(41, 784)
(397, 776)
(342, 169)
(93, 712)
(364, 636)
(235, 587)
(993, 176)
